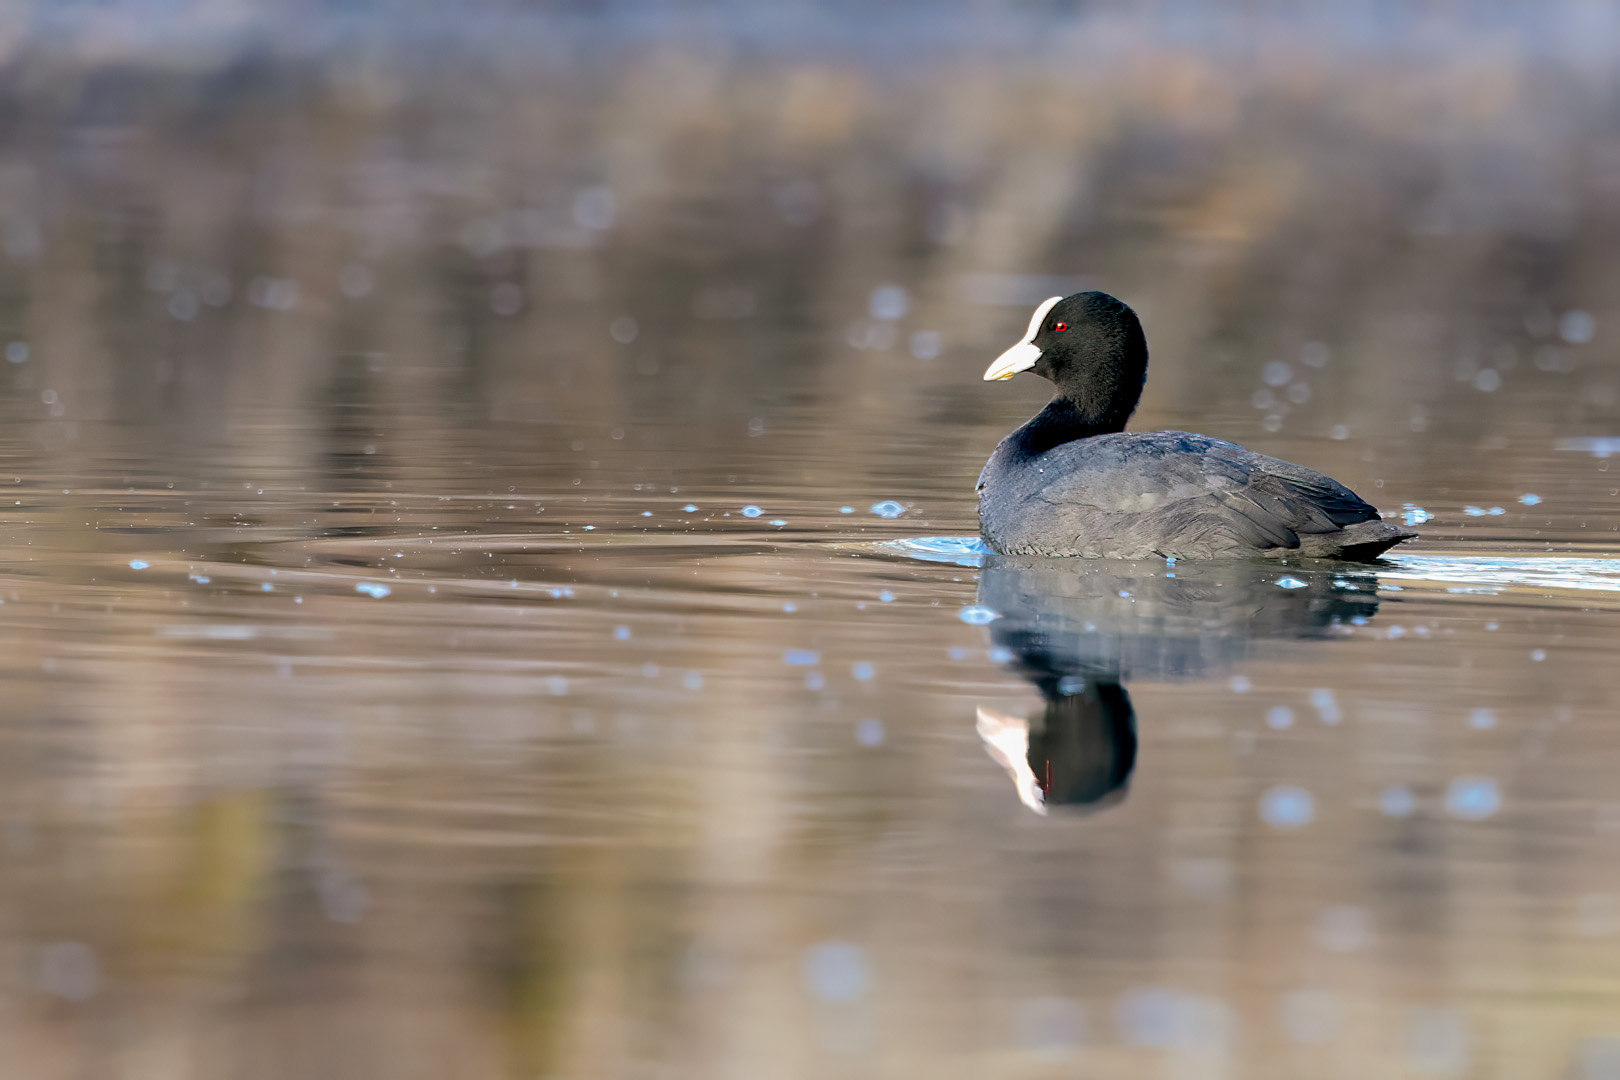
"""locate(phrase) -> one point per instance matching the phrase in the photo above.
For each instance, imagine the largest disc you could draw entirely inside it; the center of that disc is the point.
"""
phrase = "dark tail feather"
(1361, 542)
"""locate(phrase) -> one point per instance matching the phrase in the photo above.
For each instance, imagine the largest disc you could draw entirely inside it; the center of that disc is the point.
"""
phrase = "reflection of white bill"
(1006, 739)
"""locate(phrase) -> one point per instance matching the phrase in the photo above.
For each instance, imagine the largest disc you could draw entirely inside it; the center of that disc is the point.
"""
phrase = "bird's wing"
(1186, 477)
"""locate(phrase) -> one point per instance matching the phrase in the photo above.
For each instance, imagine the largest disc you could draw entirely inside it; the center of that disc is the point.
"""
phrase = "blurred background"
(443, 627)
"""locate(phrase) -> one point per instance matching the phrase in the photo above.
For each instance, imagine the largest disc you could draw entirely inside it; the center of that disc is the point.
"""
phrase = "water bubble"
(1397, 801)
(1538, 655)
(1290, 583)
(888, 508)
(886, 596)
(1529, 499)
(1071, 685)
(836, 971)
(17, 352)
(998, 654)
(790, 607)
(846, 509)
(1414, 514)
(1473, 798)
(1482, 719)
(869, 732)
(863, 671)
(801, 658)
(138, 564)
(751, 511)
(1276, 373)
(693, 680)
(1474, 511)
(689, 508)
(888, 302)
(1287, 807)
(1240, 684)
(1279, 717)
(1576, 327)
(183, 305)
(1326, 706)
(1315, 354)
(621, 633)
(1496, 511)
(373, 589)
(778, 522)
(978, 615)
(926, 344)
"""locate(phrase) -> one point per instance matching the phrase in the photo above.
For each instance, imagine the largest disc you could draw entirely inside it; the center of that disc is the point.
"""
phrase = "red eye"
(1060, 327)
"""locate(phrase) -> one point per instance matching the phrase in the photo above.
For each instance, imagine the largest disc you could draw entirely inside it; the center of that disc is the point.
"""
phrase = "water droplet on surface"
(888, 508)
(863, 671)
(138, 564)
(1529, 499)
(836, 971)
(1473, 798)
(801, 658)
(1287, 807)
(373, 589)
(1239, 683)
(751, 511)
(977, 615)
(1290, 583)
(1279, 717)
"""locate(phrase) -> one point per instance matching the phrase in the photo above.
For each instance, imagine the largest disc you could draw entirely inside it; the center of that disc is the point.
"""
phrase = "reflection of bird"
(1071, 482)
(1079, 630)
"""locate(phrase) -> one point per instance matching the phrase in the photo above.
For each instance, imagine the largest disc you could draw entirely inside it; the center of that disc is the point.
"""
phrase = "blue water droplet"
(1290, 583)
(693, 680)
(888, 508)
(790, 607)
(1473, 798)
(846, 509)
(751, 511)
(1070, 685)
(863, 671)
(373, 589)
(1414, 514)
(1482, 719)
(1279, 717)
(801, 658)
(689, 508)
(779, 522)
(138, 564)
(1530, 498)
(1474, 511)
(885, 596)
(1239, 684)
(1288, 807)
(621, 633)
(977, 615)
(836, 971)
(998, 654)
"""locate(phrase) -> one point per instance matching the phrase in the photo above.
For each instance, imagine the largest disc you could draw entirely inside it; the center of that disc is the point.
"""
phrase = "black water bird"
(1072, 482)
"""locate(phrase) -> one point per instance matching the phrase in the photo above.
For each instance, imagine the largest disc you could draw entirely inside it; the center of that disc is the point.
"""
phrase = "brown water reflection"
(398, 680)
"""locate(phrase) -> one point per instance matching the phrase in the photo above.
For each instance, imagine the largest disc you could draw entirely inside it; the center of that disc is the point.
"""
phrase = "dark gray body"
(1168, 493)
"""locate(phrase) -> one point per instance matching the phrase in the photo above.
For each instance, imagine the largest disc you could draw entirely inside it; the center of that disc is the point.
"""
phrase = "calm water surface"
(488, 581)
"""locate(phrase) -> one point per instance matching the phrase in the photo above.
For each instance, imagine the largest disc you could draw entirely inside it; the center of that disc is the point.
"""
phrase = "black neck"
(1063, 421)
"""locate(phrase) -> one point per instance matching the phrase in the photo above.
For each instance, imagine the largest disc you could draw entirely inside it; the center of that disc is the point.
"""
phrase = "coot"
(1072, 482)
